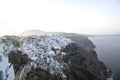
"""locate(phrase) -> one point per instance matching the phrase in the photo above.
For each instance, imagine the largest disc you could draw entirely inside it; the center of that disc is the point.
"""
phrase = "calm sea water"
(108, 51)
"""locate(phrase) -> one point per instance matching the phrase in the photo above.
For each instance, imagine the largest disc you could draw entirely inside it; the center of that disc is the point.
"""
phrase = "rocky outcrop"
(83, 65)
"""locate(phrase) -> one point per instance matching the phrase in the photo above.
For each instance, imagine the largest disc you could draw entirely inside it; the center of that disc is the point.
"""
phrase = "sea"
(108, 51)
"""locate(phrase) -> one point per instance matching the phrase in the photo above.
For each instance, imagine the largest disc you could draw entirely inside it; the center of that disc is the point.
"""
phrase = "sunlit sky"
(78, 16)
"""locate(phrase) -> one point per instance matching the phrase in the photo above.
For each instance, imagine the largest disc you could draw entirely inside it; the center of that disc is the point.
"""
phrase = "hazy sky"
(81, 16)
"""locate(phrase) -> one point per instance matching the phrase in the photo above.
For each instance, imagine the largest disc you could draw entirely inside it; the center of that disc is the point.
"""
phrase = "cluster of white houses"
(6, 68)
(35, 47)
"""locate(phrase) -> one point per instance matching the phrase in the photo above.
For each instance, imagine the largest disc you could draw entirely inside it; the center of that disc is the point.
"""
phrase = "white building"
(6, 68)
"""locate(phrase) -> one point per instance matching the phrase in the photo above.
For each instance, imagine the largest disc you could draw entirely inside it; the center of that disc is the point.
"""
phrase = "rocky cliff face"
(83, 65)
(67, 58)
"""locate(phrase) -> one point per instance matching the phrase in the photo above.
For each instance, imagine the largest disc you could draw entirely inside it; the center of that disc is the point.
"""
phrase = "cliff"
(83, 65)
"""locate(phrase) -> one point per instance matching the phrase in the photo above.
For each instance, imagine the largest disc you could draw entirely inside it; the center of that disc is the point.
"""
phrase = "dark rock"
(84, 66)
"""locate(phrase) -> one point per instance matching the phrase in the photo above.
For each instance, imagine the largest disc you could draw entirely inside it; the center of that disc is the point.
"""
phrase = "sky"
(77, 16)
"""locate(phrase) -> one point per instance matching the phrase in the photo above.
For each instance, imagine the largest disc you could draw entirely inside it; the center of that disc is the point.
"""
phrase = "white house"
(6, 68)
